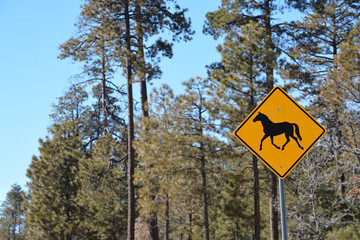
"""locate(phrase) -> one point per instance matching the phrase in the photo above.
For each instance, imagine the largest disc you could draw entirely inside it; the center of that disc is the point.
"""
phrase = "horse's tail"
(297, 131)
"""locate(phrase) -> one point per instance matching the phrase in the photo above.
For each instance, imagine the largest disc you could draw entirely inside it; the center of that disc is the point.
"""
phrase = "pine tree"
(239, 84)
(233, 15)
(317, 73)
(54, 185)
(316, 39)
(151, 18)
(156, 150)
(346, 85)
(197, 125)
(96, 45)
(180, 161)
(53, 210)
(12, 214)
(103, 191)
(116, 33)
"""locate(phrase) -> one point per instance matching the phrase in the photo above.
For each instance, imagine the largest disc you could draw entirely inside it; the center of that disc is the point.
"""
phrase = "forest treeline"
(167, 166)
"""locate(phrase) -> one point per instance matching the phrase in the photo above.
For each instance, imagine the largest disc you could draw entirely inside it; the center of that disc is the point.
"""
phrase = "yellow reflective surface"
(282, 113)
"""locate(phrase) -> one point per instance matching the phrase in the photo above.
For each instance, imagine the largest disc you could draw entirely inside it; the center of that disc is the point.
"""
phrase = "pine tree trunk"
(203, 175)
(14, 228)
(154, 230)
(167, 217)
(68, 236)
(142, 77)
(269, 47)
(274, 218)
(274, 232)
(256, 198)
(141, 62)
(205, 201)
(67, 206)
(104, 94)
(153, 223)
(131, 161)
(190, 224)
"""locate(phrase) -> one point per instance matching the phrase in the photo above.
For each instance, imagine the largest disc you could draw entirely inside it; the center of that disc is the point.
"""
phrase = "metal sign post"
(283, 209)
(279, 114)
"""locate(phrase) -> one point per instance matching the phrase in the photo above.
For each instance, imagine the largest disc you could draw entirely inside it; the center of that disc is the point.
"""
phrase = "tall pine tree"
(232, 16)
(12, 214)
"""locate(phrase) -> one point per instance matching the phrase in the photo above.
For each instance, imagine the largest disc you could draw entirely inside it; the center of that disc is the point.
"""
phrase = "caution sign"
(279, 132)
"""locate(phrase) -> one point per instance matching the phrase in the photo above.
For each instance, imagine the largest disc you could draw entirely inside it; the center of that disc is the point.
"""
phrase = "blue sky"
(32, 78)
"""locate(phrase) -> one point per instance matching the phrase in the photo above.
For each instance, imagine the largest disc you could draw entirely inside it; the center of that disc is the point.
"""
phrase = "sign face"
(279, 132)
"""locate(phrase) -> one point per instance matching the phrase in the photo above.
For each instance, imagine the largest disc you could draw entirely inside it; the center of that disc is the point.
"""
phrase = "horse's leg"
(287, 140)
(297, 142)
(265, 136)
(272, 141)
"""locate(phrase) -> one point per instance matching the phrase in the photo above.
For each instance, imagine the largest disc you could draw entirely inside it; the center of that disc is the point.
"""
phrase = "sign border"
(255, 153)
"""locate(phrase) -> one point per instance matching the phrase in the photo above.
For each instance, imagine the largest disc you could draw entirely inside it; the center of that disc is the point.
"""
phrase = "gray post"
(283, 209)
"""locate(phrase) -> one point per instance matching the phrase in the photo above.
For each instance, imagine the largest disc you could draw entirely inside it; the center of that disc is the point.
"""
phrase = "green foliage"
(53, 211)
(350, 232)
(103, 193)
(172, 150)
(100, 45)
(190, 170)
(12, 214)
(72, 191)
(321, 203)
(317, 39)
(238, 80)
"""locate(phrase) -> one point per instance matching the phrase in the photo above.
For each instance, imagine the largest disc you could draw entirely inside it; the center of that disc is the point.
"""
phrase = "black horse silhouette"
(273, 129)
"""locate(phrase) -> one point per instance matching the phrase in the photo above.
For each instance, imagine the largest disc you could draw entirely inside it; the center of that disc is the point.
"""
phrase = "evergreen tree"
(106, 32)
(318, 74)
(238, 82)
(12, 215)
(233, 15)
(153, 17)
(180, 161)
(196, 126)
(96, 46)
(53, 210)
(156, 150)
(74, 192)
(346, 87)
(103, 191)
(316, 39)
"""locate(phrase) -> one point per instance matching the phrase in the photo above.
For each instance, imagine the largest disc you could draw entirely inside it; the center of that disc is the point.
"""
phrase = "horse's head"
(259, 117)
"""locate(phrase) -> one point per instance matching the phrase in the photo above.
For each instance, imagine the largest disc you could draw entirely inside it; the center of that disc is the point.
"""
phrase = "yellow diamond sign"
(279, 132)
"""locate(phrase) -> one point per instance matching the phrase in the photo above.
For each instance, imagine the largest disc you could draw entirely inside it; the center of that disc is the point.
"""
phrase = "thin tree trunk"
(256, 198)
(167, 217)
(68, 236)
(131, 161)
(104, 97)
(190, 230)
(67, 207)
(141, 62)
(14, 227)
(203, 175)
(257, 227)
(142, 77)
(154, 229)
(274, 231)
(269, 47)
(205, 201)
(153, 222)
(273, 203)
